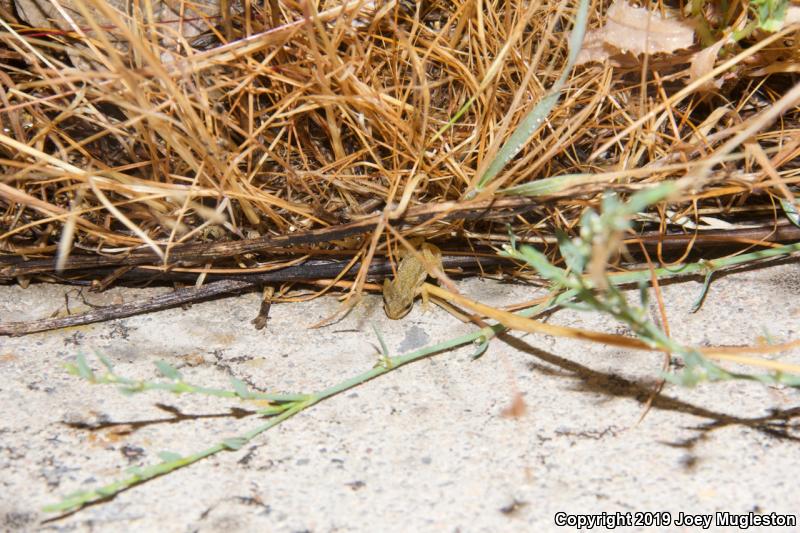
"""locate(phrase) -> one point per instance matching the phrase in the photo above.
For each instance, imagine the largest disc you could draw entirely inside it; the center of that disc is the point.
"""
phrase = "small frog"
(399, 294)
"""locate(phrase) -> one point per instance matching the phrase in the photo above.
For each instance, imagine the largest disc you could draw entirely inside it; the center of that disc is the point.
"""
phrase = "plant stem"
(294, 404)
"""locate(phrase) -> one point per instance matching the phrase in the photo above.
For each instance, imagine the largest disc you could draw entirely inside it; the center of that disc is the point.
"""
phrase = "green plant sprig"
(177, 385)
(598, 231)
(569, 285)
(290, 406)
(294, 404)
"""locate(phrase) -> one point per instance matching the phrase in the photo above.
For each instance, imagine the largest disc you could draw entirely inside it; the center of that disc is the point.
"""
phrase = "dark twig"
(314, 271)
(155, 303)
(201, 253)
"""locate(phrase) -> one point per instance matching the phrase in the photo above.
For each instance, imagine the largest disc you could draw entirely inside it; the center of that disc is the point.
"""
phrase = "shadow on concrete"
(779, 423)
(130, 427)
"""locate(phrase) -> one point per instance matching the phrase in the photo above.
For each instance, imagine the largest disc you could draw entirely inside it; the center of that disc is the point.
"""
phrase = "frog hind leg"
(426, 299)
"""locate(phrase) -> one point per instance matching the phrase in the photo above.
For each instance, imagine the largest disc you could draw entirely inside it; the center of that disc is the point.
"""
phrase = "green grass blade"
(539, 113)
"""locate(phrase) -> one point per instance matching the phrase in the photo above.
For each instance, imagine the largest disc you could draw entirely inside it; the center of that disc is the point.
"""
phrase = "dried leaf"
(703, 63)
(636, 30)
(595, 48)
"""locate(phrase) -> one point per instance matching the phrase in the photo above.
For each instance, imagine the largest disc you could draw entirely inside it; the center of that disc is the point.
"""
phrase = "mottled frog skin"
(399, 294)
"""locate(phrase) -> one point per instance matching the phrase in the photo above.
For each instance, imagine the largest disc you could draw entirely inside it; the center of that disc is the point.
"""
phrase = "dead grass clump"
(238, 138)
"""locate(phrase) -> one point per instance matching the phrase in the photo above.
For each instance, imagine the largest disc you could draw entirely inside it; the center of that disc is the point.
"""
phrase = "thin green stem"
(302, 403)
(292, 404)
(181, 387)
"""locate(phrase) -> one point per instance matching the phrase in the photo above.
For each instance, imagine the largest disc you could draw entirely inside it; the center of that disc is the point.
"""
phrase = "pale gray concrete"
(425, 448)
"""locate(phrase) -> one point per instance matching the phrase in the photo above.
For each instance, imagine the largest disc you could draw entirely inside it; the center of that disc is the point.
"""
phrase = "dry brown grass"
(314, 116)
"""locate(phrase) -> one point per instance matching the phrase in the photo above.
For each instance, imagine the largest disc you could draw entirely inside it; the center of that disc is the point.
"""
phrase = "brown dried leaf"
(595, 48)
(703, 63)
(636, 30)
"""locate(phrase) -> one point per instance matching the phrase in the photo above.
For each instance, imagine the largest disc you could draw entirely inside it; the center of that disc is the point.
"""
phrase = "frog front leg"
(433, 257)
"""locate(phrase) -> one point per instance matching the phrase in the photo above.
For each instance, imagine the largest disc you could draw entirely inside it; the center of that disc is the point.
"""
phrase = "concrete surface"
(425, 448)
